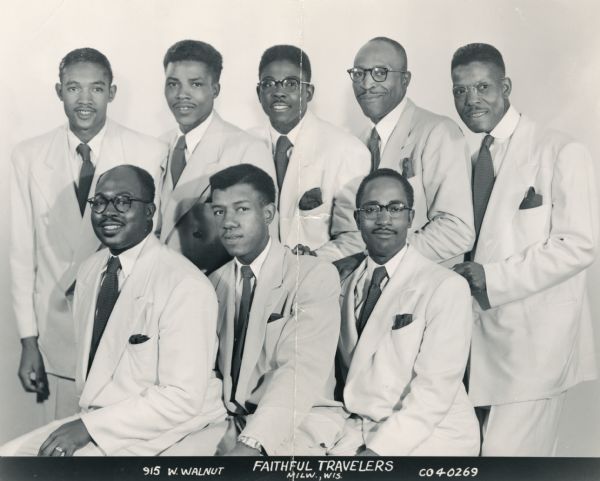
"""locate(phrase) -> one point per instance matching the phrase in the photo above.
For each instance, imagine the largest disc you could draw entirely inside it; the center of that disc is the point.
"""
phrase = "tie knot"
(379, 274)
(283, 143)
(488, 140)
(181, 145)
(114, 264)
(374, 135)
(247, 272)
(84, 151)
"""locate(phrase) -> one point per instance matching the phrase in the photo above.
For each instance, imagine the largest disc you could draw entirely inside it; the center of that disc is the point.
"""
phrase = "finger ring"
(60, 450)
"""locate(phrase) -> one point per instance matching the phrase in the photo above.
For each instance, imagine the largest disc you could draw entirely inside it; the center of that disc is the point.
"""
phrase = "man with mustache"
(428, 149)
(278, 329)
(51, 178)
(145, 324)
(202, 145)
(318, 165)
(404, 342)
(536, 221)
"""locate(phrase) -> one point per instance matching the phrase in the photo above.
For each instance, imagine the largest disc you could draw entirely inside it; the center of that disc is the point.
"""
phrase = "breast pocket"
(532, 225)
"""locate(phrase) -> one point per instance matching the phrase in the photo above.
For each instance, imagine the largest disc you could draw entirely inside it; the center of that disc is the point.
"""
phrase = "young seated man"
(145, 329)
(278, 330)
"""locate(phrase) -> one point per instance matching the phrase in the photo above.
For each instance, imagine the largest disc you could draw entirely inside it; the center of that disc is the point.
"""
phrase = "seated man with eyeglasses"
(404, 341)
(318, 165)
(145, 324)
(428, 149)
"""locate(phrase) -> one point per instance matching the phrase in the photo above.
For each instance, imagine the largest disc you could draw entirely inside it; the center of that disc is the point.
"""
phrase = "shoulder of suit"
(130, 135)
(431, 273)
(174, 264)
(431, 120)
(334, 136)
(34, 145)
(216, 276)
(546, 137)
(308, 266)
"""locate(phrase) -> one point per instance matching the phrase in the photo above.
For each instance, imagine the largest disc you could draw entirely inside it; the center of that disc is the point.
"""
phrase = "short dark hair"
(245, 174)
(478, 52)
(197, 51)
(86, 54)
(146, 180)
(291, 53)
(391, 173)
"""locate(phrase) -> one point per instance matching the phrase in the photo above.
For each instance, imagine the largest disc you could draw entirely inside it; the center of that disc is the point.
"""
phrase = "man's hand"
(32, 372)
(66, 440)
(367, 452)
(241, 449)
(302, 250)
(474, 274)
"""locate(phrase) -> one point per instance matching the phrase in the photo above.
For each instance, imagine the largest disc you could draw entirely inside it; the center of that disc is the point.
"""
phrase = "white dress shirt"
(75, 159)
(127, 259)
(256, 266)
(386, 125)
(292, 135)
(502, 134)
(193, 137)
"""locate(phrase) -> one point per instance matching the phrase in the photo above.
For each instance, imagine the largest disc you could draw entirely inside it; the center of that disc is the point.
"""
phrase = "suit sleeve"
(571, 244)
(345, 237)
(257, 153)
(446, 165)
(187, 330)
(22, 247)
(438, 372)
(304, 359)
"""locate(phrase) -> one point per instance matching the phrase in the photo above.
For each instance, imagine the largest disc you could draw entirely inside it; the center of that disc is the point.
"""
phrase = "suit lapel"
(226, 294)
(515, 176)
(193, 183)
(380, 321)
(348, 332)
(128, 310)
(392, 153)
(266, 295)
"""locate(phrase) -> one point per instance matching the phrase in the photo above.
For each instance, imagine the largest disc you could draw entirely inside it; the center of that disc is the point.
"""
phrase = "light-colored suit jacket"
(432, 152)
(139, 399)
(328, 158)
(49, 237)
(287, 373)
(406, 381)
(186, 222)
(536, 340)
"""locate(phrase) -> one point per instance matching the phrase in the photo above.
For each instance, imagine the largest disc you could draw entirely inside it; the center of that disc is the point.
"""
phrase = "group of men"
(403, 350)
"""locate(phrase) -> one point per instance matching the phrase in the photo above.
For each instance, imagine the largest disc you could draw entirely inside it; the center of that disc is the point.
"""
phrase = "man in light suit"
(428, 149)
(278, 329)
(404, 343)
(318, 165)
(51, 177)
(146, 337)
(536, 219)
(202, 145)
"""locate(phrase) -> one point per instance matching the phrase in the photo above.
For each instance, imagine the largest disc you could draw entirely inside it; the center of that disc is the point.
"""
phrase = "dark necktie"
(483, 183)
(107, 297)
(374, 148)
(281, 158)
(178, 160)
(86, 174)
(379, 274)
(241, 326)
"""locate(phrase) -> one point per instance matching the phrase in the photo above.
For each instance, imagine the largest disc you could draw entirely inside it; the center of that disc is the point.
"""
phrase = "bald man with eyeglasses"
(428, 149)
(318, 165)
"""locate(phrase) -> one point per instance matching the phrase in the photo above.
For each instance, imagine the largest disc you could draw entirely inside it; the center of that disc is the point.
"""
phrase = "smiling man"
(428, 149)
(404, 343)
(202, 145)
(318, 165)
(146, 345)
(51, 178)
(278, 329)
(536, 220)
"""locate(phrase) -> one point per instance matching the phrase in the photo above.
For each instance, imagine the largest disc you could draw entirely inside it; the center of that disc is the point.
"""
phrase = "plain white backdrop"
(550, 48)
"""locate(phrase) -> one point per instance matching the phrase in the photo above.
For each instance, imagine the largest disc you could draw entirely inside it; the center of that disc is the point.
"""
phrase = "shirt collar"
(390, 266)
(292, 134)
(194, 136)
(386, 125)
(129, 257)
(256, 264)
(507, 125)
(95, 144)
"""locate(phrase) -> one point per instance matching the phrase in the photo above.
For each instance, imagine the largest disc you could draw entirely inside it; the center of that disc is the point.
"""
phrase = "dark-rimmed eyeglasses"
(480, 88)
(288, 84)
(371, 211)
(122, 203)
(379, 74)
